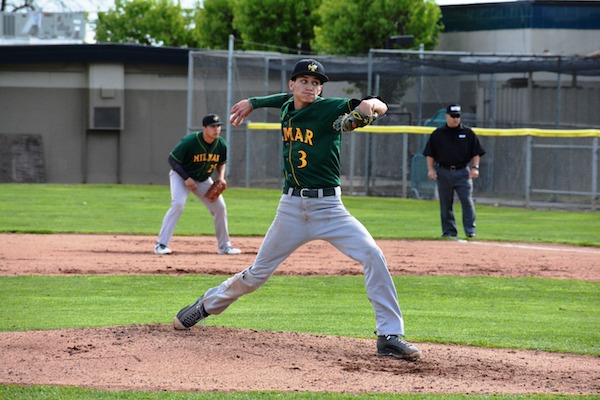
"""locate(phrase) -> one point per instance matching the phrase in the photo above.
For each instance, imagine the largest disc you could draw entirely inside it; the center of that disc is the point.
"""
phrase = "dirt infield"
(209, 358)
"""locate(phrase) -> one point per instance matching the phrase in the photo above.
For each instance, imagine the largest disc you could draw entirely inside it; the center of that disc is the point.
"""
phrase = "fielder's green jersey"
(198, 158)
(311, 147)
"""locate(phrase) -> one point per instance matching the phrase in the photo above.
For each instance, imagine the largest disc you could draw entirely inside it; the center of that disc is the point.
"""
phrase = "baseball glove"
(345, 122)
(215, 191)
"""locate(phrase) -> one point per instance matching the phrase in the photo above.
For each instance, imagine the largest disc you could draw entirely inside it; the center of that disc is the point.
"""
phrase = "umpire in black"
(453, 152)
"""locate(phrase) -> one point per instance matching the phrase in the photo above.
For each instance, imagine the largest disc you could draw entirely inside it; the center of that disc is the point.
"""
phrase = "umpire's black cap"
(308, 66)
(211, 120)
(453, 109)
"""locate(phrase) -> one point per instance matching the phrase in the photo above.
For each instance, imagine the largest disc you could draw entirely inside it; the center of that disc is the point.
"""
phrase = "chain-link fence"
(498, 92)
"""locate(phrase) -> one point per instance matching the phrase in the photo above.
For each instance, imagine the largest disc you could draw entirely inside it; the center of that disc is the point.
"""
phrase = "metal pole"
(492, 106)
(370, 73)
(353, 133)
(369, 136)
(352, 160)
(405, 165)
(528, 170)
(283, 76)
(190, 90)
(557, 106)
(229, 100)
(248, 138)
(594, 172)
(529, 100)
(420, 90)
(266, 77)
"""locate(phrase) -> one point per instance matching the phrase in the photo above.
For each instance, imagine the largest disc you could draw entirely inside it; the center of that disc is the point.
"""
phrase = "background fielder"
(311, 207)
(192, 161)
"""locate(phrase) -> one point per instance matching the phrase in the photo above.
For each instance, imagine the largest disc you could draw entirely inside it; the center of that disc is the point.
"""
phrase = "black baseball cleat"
(395, 346)
(190, 315)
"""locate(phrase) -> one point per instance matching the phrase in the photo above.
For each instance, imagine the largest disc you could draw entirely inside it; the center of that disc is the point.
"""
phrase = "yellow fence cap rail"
(394, 129)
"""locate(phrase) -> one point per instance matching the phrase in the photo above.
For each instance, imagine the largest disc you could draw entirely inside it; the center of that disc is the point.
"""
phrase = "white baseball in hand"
(235, 120)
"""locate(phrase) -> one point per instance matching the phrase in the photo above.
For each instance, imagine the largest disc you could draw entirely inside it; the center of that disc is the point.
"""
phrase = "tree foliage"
(350, 27)
(214, 24)
(354, 26)
(276, 25)
(149, 22)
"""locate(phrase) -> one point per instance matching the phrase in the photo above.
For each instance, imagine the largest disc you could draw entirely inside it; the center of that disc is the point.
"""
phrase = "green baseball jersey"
(198, 158)
(311, 147)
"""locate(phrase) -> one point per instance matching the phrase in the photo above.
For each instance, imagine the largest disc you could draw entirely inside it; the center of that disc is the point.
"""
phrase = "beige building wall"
(53, 101)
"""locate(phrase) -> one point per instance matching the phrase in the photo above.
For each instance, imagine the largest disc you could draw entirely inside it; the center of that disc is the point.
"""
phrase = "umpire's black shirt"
(453, 147)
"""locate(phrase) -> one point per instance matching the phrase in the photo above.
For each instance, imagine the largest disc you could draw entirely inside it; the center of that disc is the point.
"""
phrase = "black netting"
(495, 91)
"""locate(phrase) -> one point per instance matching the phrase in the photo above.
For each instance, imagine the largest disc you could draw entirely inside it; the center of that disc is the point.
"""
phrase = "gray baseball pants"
(179, 195)
(301, 220)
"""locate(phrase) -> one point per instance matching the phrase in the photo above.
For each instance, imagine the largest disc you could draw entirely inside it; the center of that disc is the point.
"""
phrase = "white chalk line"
(534, 247)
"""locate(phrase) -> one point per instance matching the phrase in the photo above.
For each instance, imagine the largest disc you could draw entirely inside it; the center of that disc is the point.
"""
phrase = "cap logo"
(312, 67)
(455, 109)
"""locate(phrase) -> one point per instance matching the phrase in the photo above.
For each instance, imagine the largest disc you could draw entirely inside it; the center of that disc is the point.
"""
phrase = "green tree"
(424, 23)
(353, 27)
(214, 24)
(149, 22)
(281, 25)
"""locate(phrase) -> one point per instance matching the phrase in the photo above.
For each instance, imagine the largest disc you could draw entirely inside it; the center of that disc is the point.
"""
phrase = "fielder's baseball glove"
(345, 122)
(215, 191)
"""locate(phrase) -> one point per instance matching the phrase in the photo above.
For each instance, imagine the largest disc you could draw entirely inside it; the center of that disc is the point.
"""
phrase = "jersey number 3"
(302, 159)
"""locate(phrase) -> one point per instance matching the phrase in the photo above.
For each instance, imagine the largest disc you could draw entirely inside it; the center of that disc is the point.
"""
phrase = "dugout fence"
(536, 117)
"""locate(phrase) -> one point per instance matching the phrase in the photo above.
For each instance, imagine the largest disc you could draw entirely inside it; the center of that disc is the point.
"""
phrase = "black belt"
(453, 167)
(311, 193)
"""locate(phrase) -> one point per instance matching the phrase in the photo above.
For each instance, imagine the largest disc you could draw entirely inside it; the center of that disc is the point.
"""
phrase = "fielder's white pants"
(301, 220)
(179, 195)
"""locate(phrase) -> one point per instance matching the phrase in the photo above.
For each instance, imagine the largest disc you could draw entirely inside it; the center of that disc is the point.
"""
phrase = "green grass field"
(524, 313)
(135, 209)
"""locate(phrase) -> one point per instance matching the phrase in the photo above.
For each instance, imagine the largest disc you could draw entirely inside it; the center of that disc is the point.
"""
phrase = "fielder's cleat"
(162, 249)
(190, 315)
(232, 251)
(449, 237)
(395, 346)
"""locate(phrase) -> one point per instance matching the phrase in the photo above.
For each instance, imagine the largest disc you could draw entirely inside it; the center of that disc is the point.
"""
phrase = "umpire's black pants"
(448, 182)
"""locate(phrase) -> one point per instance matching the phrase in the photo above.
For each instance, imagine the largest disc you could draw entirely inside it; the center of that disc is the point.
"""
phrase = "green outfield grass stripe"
(68, 393)
(524, 313)
(139, 209)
